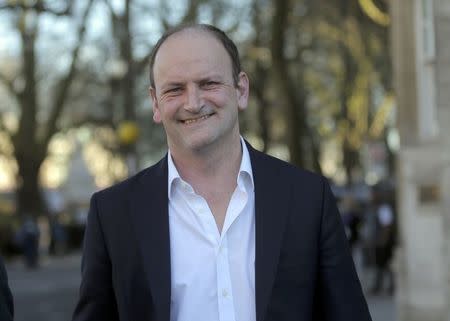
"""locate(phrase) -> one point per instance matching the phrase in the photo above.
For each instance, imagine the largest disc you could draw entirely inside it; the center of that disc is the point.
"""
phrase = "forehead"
(189, 51)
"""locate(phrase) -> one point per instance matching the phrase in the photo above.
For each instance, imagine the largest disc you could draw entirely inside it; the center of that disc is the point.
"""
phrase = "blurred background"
(357, 90)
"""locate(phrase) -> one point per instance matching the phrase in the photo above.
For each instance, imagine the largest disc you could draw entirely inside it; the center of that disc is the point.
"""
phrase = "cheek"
(168, 109)
(220, 99)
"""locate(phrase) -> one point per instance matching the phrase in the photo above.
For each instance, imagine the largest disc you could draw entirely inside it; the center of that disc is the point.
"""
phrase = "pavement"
(47, 293)
(382, 308)
(50, 292)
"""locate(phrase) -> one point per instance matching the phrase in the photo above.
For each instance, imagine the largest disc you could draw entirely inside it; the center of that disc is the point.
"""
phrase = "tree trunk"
(294, 114)
(29, 197)
(126, 51)
(261, 77)
(26, 145)
(349, 155)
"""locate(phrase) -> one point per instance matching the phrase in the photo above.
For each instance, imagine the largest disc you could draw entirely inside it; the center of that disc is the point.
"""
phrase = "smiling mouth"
(194, 120)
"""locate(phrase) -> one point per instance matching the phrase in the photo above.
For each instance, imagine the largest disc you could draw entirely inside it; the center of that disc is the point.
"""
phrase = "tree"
(292, 87)
(257, 57)
(361, 45)
(31, 139)
(328, 59)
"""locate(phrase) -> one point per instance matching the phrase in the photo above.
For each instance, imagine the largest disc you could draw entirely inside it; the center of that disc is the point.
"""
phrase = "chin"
(198, 143)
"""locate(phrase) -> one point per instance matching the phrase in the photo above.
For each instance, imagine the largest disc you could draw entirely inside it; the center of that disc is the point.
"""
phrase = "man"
(216, 230)
(6, 300)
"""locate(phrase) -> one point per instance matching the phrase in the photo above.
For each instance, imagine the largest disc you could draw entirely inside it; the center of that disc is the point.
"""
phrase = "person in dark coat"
(6, 300)
(384, 239)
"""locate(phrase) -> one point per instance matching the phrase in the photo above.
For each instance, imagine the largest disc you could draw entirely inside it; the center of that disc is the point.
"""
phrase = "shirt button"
(225, 293)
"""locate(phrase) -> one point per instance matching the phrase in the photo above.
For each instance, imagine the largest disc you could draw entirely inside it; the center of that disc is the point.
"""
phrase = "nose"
(193, 100)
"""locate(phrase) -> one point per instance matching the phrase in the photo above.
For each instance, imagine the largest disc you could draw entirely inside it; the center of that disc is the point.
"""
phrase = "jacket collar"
(272, 199)
(149, 212)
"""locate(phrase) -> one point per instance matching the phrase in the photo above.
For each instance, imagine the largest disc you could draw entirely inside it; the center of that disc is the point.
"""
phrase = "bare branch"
(5, 129)
(39, 6)
(189, 16)
(144, 61)
(165, 22)
(191, 13)
(111, 9)
(8, 84)
(61, 94)
(144, 8)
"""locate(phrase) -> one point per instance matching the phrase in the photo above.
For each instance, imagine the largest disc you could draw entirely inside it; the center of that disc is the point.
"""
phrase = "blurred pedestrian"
(58, 236)
(384, 239)
(6, 299)
(351, 216)
(27, 239)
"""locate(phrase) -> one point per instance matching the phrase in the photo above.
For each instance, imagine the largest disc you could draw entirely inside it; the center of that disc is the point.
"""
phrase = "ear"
(155, 106)
(243, 90)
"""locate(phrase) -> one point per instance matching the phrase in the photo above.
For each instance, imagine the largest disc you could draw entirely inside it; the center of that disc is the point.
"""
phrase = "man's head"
(221, 36)
(197, 89)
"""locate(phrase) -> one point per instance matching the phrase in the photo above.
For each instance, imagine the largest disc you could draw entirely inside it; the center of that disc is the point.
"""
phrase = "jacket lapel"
(271, 209)
(150, 215)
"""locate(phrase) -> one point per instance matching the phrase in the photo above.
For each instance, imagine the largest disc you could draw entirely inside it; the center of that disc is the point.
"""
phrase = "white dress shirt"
(212, 273)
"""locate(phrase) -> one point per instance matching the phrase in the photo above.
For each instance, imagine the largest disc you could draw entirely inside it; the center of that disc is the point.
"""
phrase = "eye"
(173, 91)
(209, 84)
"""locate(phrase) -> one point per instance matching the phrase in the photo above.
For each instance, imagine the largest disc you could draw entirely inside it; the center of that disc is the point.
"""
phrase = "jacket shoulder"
(287, 171)
(122, 189)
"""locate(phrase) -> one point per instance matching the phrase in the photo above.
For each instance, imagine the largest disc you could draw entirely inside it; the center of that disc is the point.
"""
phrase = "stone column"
(422, 85)
(446, 212)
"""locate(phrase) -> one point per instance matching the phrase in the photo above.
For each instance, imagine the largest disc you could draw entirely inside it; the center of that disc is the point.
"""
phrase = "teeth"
(190, 121)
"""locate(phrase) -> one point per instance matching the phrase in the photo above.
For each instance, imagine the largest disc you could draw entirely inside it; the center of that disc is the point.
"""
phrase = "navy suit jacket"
(303, 266)
(6, 300)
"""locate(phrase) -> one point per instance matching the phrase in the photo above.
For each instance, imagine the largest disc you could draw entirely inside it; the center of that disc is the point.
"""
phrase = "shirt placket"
(224, 288)
(219, 241)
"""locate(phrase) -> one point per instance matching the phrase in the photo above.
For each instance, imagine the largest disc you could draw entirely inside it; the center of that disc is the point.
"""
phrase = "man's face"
(195, 97)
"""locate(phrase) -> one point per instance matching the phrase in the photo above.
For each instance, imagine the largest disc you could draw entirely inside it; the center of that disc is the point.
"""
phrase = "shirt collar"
(173, 174)
(246, 166)
(245, 170)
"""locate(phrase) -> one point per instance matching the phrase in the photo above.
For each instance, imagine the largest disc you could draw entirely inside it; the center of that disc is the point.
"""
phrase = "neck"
(214, 167)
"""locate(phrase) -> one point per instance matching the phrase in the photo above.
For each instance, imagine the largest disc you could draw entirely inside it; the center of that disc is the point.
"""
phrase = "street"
(50, 292)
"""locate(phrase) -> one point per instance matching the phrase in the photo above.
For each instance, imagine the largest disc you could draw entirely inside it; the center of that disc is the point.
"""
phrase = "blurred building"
(79, 187)
(421, 56)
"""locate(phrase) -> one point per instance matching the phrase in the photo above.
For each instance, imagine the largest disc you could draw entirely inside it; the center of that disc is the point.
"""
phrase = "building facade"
(421, 60)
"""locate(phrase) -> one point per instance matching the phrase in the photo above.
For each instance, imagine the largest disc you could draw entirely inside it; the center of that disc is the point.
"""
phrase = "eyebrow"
(171, 84)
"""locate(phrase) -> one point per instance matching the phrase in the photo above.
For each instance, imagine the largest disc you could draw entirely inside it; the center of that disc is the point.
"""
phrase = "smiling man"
(216, 231)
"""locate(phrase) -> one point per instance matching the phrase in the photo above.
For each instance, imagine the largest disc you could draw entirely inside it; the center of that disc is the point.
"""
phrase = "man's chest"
(212, 269)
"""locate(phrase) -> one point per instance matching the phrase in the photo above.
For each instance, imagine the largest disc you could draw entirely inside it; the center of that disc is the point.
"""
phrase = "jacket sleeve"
(6, 300)
(339, 290)
(96, 298)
